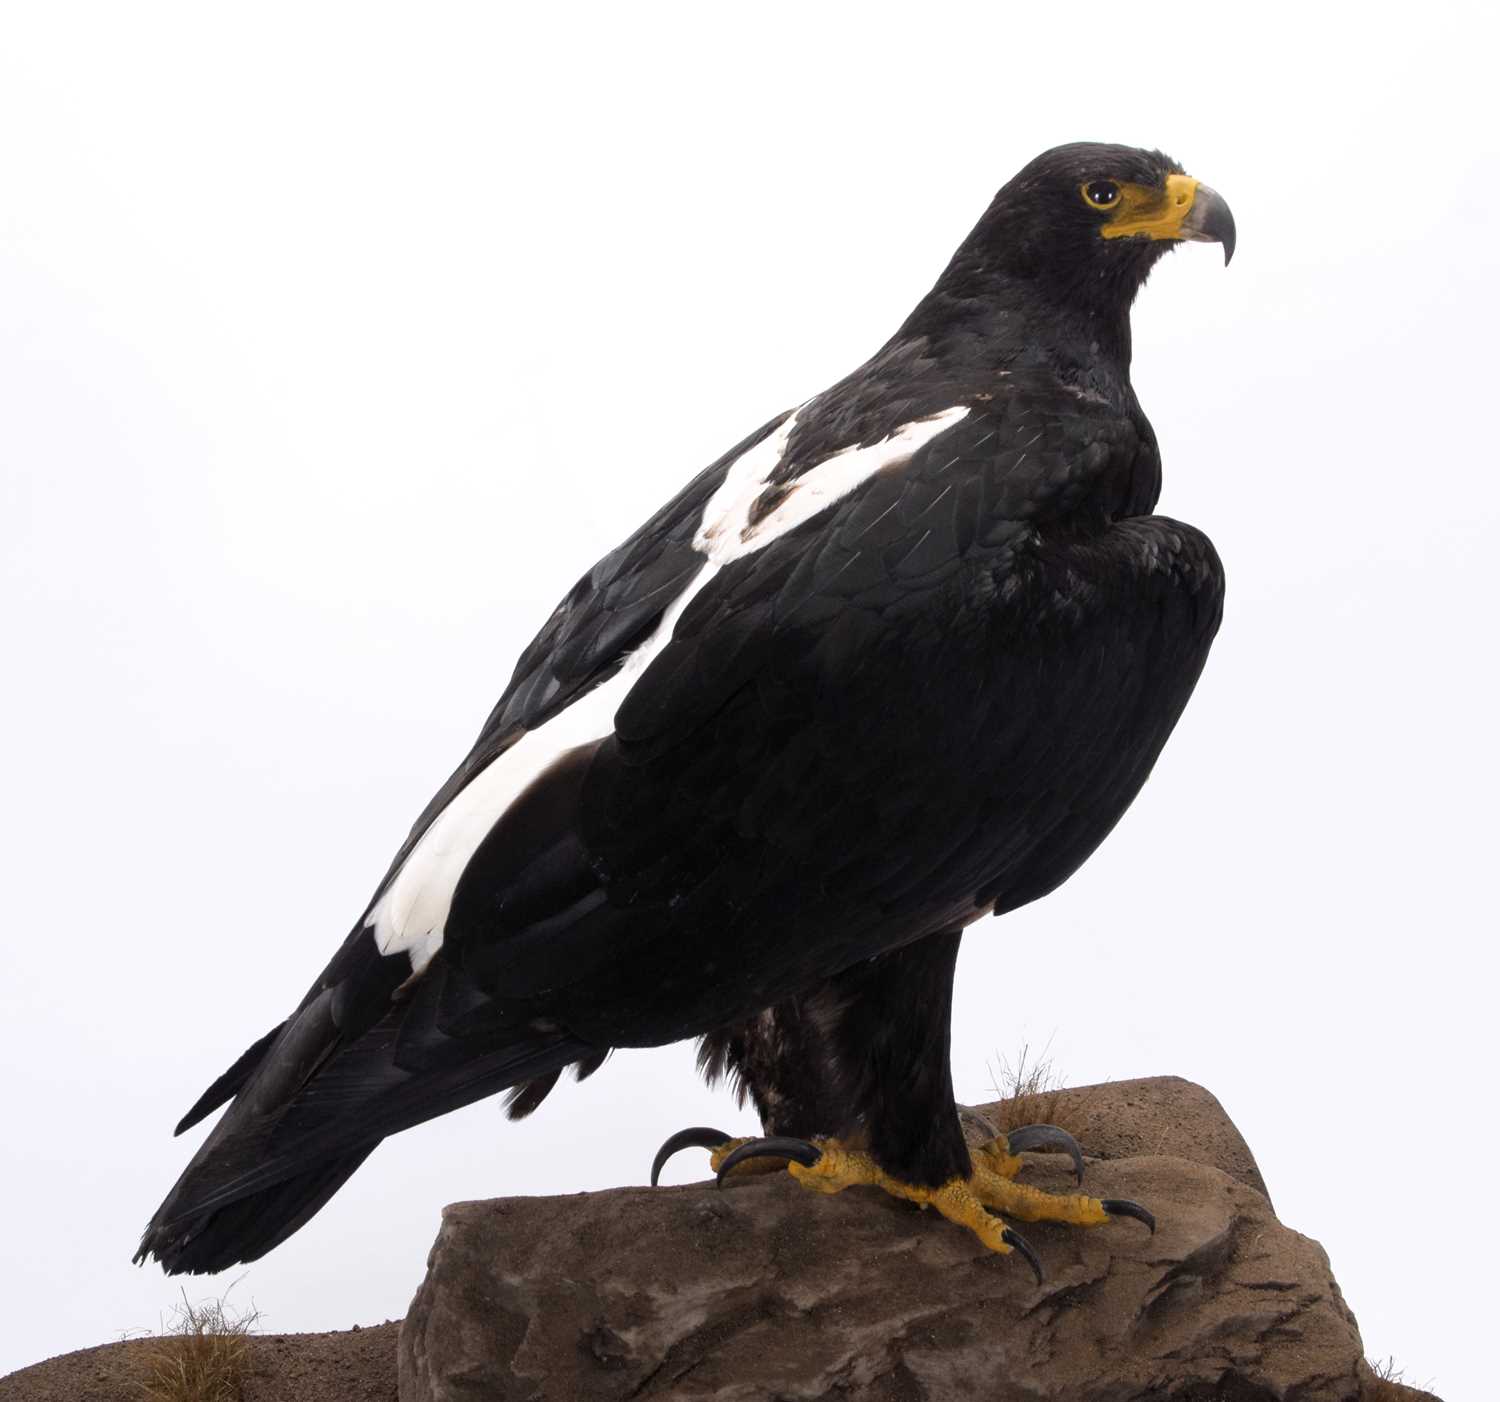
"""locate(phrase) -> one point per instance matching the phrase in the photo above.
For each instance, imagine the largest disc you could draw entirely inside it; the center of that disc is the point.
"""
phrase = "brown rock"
(763, 1291)
(1155, 1115)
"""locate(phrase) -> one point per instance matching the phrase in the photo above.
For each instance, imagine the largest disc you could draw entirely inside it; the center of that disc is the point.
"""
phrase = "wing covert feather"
(591, 632)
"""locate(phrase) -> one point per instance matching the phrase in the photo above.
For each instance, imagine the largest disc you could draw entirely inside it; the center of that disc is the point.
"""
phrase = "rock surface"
(764, 1291)
(1156, 1115)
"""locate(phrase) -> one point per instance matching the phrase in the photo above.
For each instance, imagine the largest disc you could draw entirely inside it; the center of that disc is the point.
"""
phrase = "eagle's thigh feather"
(863, 1058)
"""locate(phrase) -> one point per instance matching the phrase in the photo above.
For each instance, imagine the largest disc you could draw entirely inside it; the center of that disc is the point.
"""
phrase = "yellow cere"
(1148, 212)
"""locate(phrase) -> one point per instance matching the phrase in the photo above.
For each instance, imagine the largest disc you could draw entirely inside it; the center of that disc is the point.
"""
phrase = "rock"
(764, 1291)
(1155, 1115)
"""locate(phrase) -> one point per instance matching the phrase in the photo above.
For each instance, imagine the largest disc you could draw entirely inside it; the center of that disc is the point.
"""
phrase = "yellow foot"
(976, 1202)
(997, 1161)
(836, 1168)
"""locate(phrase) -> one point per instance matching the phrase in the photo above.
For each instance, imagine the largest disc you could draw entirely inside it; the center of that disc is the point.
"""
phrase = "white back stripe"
(412, 913)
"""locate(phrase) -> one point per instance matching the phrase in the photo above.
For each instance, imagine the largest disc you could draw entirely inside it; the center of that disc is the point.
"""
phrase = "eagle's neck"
(1002, 303)
(983, 323)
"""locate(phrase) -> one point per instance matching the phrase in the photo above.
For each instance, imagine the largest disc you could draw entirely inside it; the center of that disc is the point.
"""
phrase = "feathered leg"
(854, 1086)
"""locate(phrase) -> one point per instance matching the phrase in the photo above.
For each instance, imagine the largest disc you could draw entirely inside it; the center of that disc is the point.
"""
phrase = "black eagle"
(899, 659)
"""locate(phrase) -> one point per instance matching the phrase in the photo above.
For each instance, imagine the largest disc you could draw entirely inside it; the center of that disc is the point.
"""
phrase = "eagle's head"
(1064, 247)
(1091, 218)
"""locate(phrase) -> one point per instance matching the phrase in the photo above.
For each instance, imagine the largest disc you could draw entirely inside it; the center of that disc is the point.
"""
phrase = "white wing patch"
(726, 533)
(412, 913)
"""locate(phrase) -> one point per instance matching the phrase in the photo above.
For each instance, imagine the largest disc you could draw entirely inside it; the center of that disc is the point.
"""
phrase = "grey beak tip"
(1211, 221)
(1226, 235)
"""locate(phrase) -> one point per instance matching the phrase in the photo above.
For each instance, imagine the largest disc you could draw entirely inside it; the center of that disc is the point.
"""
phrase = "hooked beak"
(1209, 221)
(1182, 209)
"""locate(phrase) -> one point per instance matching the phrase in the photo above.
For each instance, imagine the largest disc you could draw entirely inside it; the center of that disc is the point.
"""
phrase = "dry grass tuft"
(202, 1357)
(1031, 1092)
(1382, 1382)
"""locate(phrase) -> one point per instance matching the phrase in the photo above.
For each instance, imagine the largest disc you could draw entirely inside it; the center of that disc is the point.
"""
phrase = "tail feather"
(229, 1084)
(312, 1099)
(244, 1230)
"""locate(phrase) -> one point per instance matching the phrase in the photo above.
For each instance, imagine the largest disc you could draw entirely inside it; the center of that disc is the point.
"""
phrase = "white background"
(336, 343)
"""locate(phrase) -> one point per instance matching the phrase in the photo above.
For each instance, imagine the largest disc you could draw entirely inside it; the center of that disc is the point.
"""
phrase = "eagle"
(899, 660)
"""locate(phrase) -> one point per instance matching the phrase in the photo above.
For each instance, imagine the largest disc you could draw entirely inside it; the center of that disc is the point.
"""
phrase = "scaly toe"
(827, 1166)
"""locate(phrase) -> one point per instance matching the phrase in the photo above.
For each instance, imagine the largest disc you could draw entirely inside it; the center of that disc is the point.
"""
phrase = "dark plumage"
(900, 658)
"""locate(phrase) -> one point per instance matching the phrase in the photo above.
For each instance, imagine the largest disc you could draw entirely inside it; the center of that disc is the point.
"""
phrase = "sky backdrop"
(336, 342)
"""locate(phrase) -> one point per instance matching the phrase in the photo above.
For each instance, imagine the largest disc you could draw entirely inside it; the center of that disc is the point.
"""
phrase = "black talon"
(773, 1148)
(1123, 1207)
(1012, 1238)
(698, 1137)
(1046, 1137)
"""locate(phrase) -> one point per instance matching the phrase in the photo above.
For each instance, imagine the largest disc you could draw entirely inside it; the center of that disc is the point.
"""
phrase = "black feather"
(229, 1083)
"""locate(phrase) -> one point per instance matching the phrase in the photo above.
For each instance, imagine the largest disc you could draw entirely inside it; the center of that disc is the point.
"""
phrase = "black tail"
(367, 1054)
(244, 1230)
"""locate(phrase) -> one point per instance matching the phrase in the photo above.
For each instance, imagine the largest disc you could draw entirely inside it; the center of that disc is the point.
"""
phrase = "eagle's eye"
(1101, 194)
